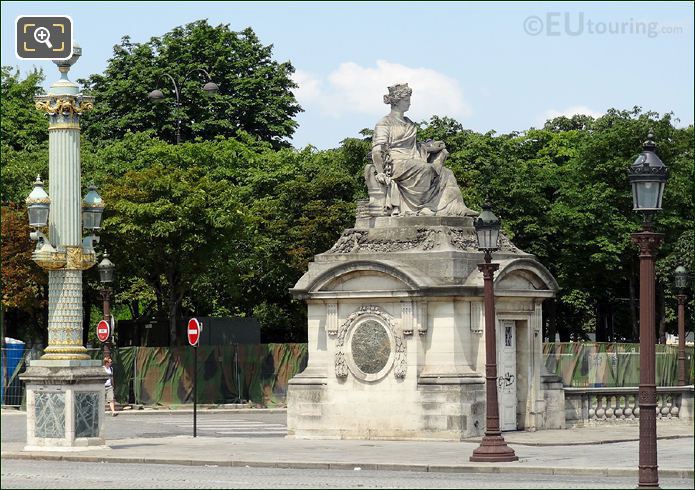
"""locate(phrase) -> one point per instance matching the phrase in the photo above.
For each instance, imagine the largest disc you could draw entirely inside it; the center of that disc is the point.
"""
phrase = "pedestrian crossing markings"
(227, 427)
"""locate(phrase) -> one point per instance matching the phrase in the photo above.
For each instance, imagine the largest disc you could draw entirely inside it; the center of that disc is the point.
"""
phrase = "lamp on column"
(38, 205)
(106, 269)
(648, 178)
(157, 96)
(681, 282)
(493, 447)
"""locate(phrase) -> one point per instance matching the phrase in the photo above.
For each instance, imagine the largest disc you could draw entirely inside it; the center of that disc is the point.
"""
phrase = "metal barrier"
(14, 363)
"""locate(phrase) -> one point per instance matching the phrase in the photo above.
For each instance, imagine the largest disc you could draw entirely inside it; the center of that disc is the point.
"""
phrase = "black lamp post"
(106, 269)
(157, 96)
(681, 282)
(648, 179)
(493, 447)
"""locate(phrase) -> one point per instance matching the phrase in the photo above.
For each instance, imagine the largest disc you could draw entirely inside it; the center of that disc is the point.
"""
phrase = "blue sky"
(492, 66)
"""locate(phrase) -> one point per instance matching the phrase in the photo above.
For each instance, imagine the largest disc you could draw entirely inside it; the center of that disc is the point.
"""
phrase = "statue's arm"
(380, 149)
(431, 146)
(378, 157)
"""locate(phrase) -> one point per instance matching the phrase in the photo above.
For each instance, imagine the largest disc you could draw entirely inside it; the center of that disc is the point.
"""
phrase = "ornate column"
(65, 388)
(493, 448)
(65, 263)
(648, 243)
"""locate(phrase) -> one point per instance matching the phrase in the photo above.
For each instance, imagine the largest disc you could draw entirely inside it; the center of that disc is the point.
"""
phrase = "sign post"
(194, 329)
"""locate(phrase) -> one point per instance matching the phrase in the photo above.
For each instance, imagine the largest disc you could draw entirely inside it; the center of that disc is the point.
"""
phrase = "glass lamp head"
(487, 229)
(92, 209)
(648, 179)
(681, 278)
(106, 269)
(38, 205)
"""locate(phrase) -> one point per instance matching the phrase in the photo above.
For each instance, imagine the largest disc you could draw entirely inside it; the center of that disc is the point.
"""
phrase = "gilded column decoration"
(64, 105)
(65, 316)
(64, 253)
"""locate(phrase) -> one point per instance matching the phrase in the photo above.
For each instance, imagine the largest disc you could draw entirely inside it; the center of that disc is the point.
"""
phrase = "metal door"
(506, 374)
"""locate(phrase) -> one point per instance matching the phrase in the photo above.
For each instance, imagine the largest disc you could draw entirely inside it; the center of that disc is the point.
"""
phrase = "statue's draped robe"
(416, 184)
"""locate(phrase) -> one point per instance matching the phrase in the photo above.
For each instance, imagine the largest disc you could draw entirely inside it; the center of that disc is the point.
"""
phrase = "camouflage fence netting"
(226, 374)
(594, 364)
(260, 373)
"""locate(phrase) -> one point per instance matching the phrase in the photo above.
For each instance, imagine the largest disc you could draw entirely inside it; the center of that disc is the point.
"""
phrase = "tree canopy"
(22, 126)
(226, 222)
(255, 91)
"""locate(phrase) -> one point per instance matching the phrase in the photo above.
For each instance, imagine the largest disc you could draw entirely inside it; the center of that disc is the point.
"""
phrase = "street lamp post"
(63, 252)
(64, 387)
(157, 96)
(493, 447)
(681, 283)
(106, 269)
(648, 179)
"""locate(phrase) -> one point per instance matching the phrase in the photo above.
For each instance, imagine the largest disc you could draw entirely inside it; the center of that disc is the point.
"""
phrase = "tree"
(24, 284)
(23, 127)
(562, 193)
(255, 91)
(297, 203)
(166, 223)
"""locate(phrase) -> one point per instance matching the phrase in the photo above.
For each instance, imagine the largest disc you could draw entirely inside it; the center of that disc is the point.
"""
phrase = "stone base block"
(687, 408)
(65, 405)
(553, 415)
(445, 409)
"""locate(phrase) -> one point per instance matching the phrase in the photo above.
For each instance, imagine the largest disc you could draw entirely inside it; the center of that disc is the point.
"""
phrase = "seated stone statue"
(406, 177)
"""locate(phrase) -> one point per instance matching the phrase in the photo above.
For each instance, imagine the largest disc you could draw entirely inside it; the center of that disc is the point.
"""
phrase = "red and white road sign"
(103, 331)
(194, 329)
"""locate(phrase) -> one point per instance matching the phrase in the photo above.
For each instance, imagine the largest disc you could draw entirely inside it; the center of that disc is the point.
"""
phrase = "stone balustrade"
(590, 406)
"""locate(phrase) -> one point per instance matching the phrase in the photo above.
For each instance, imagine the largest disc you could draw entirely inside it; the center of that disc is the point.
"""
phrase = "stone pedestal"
(65, 405)
(395, 333)
(554, 400)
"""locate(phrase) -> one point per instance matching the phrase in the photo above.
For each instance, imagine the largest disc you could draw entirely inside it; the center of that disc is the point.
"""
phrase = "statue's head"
(397, 93)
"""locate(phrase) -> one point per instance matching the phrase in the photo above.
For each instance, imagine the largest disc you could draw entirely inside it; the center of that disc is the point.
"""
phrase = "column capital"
(488, 269)
(64, 104)
(648, 242)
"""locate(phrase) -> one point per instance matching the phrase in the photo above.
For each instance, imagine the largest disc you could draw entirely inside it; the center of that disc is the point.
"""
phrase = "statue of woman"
(414, 176)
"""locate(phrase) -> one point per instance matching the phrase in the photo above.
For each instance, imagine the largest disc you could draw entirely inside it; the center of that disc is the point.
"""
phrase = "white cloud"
(353, 89)
(569, 112)
(309, 87)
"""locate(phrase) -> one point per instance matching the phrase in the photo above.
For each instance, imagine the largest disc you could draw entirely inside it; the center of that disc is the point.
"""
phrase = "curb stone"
(511, 469)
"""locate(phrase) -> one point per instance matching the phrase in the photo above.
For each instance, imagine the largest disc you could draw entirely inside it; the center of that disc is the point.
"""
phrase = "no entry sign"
(194, 329)
(103, 331)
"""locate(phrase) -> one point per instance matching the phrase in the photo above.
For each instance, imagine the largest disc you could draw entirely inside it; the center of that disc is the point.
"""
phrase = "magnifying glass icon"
(43, 36)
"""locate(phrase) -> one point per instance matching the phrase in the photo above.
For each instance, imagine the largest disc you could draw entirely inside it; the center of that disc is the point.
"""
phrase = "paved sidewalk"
(585, 451)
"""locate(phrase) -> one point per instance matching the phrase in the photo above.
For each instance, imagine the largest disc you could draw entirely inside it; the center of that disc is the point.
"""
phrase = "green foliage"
(22, 126)
(227, 222)
(562, 194)
(165, 222)
(255, 91)
(297, 202)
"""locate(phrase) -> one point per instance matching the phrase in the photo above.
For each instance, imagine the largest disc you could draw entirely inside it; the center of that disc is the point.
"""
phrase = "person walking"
(109, 385)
